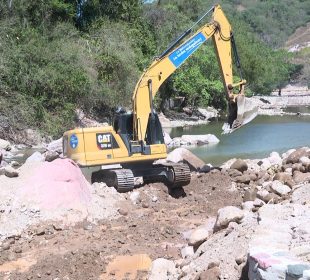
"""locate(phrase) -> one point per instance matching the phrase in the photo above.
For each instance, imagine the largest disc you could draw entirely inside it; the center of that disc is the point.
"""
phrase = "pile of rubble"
(268, 237)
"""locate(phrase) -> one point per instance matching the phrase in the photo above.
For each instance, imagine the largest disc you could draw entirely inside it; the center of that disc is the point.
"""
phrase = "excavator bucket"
(240, 112)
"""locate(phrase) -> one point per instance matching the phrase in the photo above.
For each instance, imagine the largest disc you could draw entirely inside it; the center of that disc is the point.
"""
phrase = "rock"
(14, 163)
(35, 157)
(284, 178)
(198, 236)
(279, 188)
(240, 165)
(249, 195)
(32, 137)
(123, 212)
(226, 215)
(245, 179)
(298, 167)
(263, 195)
(18, 250)
(206, 168)
(135, 197)
(187, 251)
(305, 161)
(55, 146)
(194, 139)
(275, 159)
(187, 111)
(165, 122)
(265, 164)
(145, 205)
(138, 181)
(208, 113)
(10, 172)
(5, 145)
(2, 171)
(210, 274)
(248, 205)
(213, 264)
(301, 195)
(294, 157)
(6, 245)
(50, 156)
(184, 155)
(286, 154)
(272, 197)
(300, 177)
(258, 202)
(162, 269)
(167, 138)
(240, 259)
(234, 173)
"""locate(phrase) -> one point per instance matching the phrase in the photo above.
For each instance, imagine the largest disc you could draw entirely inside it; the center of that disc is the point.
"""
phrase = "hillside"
(57, 56)
(299, 44)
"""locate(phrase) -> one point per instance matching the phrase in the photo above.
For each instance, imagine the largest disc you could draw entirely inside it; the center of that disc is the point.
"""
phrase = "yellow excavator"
(130, 147)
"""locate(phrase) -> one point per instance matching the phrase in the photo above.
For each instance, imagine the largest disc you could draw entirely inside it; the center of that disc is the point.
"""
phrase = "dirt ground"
(153, 227)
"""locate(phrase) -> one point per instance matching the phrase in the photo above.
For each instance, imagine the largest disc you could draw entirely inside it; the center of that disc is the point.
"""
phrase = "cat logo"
(104, 141)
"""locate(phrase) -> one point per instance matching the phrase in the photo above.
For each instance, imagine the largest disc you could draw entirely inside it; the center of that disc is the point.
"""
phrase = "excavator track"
(121, 179)
(181, 175)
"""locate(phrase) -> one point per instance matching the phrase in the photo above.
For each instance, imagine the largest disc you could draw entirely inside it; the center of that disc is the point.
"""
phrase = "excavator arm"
(149, 83)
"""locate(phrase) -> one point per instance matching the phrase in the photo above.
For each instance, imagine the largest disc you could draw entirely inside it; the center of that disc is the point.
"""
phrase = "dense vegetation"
(59, 55)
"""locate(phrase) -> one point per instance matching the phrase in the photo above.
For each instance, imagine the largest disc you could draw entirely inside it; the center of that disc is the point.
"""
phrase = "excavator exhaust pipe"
(241, 110)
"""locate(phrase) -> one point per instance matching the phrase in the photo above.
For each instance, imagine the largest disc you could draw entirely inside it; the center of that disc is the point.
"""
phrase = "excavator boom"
(220, 31)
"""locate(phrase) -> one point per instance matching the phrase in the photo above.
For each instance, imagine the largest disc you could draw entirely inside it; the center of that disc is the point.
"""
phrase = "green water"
(255, 140)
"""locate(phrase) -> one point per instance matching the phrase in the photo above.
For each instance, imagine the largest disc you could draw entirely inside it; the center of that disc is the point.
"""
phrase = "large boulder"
(184, 155)
(55, 146)
(200, 139)
(294, 157)
(163, 269)
(226, 215)
(35, 157)
(5, 145)
(240, 165)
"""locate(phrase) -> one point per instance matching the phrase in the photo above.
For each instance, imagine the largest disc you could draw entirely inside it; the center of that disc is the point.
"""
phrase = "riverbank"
(290, 103)
(56, 225)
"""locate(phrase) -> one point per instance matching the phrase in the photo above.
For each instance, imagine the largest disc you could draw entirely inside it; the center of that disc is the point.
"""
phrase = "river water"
(255, 140)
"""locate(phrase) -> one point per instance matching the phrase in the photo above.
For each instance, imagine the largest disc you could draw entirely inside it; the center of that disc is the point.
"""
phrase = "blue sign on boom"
(184, 51)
